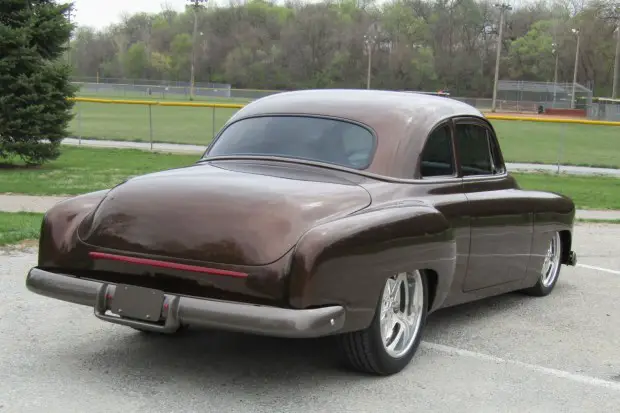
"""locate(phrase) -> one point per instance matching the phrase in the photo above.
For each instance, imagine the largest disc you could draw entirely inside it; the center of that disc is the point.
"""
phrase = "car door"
(438, 182)
(501, 222)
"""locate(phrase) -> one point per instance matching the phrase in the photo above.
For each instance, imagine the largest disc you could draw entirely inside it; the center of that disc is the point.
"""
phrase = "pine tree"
(34, 79)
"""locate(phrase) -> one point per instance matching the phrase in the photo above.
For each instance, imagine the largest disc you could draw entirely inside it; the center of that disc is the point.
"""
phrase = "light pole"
(573, 100)
(503, 7)
(614, 88)
(369, 41)
(195, 5)
(555, 51)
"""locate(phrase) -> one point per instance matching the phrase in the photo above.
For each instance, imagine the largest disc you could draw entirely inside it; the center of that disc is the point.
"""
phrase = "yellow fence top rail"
(552, 120)
(160, 103)
(239, 106)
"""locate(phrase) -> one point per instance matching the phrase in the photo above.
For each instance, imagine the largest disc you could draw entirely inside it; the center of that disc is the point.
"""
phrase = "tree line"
(414, 44)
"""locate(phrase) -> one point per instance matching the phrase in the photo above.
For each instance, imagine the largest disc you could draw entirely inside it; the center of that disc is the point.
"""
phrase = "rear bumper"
(177, 310)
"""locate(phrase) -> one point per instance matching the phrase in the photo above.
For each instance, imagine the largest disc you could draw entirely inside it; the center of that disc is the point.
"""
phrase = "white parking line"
(593, 381)
(599, 269)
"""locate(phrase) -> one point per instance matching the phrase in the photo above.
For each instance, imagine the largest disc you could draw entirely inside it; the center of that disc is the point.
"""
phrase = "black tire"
(540, 289)
(364, 351)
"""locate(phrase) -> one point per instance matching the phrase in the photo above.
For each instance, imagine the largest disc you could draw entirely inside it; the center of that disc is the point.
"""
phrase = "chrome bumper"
(178, 310)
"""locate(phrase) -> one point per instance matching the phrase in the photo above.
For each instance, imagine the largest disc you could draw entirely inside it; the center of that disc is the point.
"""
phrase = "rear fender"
(553, 213)
(58, 236)
(347, 261)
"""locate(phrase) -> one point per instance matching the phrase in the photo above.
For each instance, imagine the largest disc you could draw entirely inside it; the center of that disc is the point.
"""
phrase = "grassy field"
(16, 227)
(573, 144)
(80, 170)
(587, 192)
(131, 122)
(521, 141)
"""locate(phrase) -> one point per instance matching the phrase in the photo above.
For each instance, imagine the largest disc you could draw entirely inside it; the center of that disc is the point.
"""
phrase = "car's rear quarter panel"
(552, 212)
(347, 261)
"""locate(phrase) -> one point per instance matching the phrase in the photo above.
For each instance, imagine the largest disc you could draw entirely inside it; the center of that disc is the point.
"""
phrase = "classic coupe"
(346, 213)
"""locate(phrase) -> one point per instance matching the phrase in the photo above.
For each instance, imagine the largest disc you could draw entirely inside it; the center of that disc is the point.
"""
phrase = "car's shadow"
(207, 358)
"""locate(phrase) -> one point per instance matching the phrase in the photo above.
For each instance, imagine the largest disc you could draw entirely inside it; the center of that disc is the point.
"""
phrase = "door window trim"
(417, 173)
(492, 140)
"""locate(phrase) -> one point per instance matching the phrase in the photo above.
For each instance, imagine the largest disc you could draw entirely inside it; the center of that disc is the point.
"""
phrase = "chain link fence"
(512, 96)
(530, 95)
(526, 141)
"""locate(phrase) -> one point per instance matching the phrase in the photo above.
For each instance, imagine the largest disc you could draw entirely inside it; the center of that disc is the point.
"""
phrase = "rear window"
(310, 138)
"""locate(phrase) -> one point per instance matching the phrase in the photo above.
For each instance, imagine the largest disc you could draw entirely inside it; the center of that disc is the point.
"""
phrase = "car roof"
(401, 120)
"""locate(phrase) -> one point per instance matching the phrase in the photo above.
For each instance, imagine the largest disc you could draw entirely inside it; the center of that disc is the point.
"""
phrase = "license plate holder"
(137, 302)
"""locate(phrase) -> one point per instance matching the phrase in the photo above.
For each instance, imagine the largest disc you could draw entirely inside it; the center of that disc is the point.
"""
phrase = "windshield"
(311, 138)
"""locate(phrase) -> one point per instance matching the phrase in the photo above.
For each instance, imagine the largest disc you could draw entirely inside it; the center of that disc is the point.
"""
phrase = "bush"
(34, 79)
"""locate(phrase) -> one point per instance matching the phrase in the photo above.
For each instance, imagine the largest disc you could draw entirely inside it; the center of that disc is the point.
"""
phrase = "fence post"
(151, 125)
(213, 123)
(561, 147)
(79, 116)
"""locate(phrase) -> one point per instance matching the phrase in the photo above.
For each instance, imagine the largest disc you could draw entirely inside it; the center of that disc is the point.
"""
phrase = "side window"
(437, 157)
(495, 154)
(474, 150)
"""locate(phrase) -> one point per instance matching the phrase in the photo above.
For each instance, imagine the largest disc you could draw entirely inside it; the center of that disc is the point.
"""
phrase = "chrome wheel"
(551, 264)
(401, 312)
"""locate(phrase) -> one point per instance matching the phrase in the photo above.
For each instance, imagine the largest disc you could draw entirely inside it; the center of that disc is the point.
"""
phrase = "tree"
(136, 62)
(530, 56)
(422, 44)
(34, 79)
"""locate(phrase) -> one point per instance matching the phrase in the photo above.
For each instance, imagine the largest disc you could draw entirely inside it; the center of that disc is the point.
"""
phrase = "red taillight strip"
(165, 264)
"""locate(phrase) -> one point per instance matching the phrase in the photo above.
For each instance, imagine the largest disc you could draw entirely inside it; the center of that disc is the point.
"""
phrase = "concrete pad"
(598, 214)
(28, 203)
(161, 147)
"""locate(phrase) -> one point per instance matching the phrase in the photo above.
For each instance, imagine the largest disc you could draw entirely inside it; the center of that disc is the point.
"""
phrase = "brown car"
(352, 213)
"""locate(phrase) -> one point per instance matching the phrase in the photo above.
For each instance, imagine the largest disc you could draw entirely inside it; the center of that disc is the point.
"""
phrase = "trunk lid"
(238, 214)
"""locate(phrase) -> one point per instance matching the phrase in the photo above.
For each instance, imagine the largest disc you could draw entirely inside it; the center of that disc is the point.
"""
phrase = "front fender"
(59, 227)
(347, 261)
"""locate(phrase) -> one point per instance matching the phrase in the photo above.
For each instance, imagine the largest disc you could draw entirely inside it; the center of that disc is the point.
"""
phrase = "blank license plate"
(137, 302)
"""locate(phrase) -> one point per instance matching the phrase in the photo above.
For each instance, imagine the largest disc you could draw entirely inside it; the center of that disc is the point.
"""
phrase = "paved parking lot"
(507, 354)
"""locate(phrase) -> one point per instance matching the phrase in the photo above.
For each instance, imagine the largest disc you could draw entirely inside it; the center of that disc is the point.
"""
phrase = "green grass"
(80, 170)
(19, 226)
(598, 221)
(187, 125)
(574, 144)
(16, 227)
(588, 192)
(521, 141)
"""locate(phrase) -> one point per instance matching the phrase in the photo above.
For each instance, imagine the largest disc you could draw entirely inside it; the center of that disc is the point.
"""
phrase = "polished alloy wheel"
(401, 312)
(551, 264)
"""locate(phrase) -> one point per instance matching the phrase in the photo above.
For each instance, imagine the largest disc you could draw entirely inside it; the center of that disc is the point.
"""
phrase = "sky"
(100, 14)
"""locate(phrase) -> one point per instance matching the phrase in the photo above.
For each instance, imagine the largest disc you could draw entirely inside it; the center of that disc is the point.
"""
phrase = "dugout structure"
(526, 96)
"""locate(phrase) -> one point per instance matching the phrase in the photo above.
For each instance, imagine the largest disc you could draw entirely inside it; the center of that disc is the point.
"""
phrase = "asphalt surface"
(199, 149)
(511, 353)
